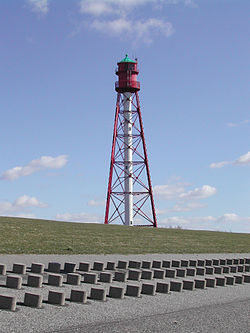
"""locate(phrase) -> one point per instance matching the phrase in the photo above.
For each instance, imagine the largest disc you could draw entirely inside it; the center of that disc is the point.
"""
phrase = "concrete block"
(246, 278)
(209, 270)
(210, 282)
(240, 269)
(162, 287)
(84, 266)
(54, 267)
(146, 275)
(116, 292)
(8, 302)
(37, 268)
(217, 270)
(184, 263)
(246, 268)
(110, 266)
(19, 268)
(3, 269)
(56, 297)
(216, 262)
(79, 296)
(191, 271)
(192, 263)
(73, 279)
(35, 280)
(229, 261)
(200, 271)
(134, 274)
(242, 261)
(69, 267)
(170, 273)
(175, 263)
(98, 294)
(134, 264)
(90, 278)
(14, 282)
(159, 274)
(132, 290)
(199, 284)
(247, 261)
(200, 263)
(106, 277)
(235, 261)
(55, 280)
(220, 281)
(148, 289)
(208, 262)
(122, 264)
(238, 279)
(146, 264)
(222, 262)
(98, 266)
(33, 300)
(181, 272)
(176, 286)
(166, 263)
(157, 264)
(230, 280)
(233, 269)
(188, 285)
(225, 269)
(121, 276)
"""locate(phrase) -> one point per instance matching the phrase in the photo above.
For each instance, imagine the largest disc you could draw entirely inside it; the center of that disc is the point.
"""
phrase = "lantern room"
(127, 72)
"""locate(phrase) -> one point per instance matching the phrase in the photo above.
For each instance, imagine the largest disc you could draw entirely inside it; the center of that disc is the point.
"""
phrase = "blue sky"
(57, 105)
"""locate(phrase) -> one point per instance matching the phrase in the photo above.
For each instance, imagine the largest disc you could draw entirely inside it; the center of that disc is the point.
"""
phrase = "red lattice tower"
(130, 195)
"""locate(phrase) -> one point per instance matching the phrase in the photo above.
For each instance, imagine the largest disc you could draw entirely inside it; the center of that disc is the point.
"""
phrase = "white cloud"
(96, 203)
(44, 162)
(243, 122)
(242, 160)
(199, 193)
(20, 204)
(190, 206)
(39, 6)
(170, 191)
(219, 165)
(121, 7)
(139, 30)
(226, 222)
(80, 217)
(27, 201)
(116, 18)
(178, 191)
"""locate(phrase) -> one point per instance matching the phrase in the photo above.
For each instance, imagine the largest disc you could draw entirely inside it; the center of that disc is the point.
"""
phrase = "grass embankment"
(30, 236)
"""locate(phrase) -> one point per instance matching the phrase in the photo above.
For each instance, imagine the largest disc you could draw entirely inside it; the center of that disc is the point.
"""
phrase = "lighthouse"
(130, 195)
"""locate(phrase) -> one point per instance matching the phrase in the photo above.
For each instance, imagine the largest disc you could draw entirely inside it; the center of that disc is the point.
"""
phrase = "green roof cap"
(127, 59)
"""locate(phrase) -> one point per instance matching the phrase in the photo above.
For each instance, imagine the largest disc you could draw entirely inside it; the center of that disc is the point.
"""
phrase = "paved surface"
(220, 309)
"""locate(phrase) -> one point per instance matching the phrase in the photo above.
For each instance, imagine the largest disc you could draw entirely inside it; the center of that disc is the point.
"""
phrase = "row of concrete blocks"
(58, 298)
(35, 280)
(8, 302)
(70, 267)
(38, 268)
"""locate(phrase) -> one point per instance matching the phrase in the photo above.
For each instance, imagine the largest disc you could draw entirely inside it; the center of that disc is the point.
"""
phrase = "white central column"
(128, 158)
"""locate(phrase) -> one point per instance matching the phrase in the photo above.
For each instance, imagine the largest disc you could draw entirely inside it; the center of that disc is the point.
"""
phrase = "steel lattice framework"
(143, 203)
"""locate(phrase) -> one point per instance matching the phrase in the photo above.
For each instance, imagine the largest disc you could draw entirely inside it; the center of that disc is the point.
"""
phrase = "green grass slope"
(30, 236)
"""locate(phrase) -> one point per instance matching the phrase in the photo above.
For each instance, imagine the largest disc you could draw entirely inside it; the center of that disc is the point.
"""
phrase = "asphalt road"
(221, 318)
(220, 309)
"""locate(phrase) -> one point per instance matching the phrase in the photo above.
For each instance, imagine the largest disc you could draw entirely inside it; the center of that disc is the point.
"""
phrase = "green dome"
(127, 59)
